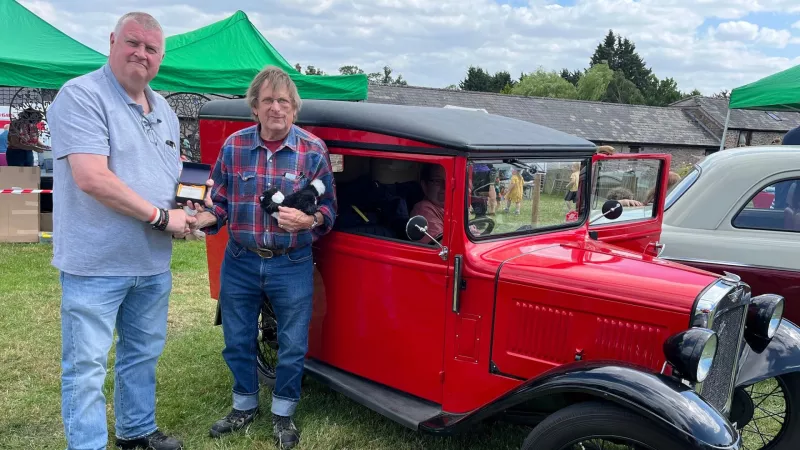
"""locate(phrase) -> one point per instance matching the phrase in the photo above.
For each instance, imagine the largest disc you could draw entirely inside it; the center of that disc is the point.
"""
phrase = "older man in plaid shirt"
(264, 254)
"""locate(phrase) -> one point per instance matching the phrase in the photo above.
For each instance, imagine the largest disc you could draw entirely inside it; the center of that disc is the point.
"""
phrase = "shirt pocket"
(247, 184)
(292, 181)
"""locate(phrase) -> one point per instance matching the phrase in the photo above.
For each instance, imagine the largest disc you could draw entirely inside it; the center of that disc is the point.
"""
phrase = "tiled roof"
(595, 121)
(742, 119)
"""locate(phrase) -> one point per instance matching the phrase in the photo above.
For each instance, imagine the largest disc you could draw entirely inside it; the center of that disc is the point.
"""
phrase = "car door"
(626, 200)
(758, 240)
(382, 316)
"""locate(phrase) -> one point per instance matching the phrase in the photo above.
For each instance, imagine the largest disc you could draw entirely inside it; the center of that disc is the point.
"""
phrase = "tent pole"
(725, 130)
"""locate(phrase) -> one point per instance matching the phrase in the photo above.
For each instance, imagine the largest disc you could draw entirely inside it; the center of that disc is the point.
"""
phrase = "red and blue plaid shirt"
(245, 168)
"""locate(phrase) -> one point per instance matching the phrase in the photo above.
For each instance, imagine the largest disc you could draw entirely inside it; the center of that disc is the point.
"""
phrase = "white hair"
(147, 21)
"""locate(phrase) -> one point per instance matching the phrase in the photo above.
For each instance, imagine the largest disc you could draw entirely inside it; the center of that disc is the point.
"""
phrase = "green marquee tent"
(777, 92)
(223, 57)
(35, 54)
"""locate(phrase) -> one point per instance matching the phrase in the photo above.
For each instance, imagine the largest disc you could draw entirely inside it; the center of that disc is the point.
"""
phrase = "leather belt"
(268, 252)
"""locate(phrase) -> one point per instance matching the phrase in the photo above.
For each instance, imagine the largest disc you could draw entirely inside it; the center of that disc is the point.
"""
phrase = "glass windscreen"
(632, 183)
(522, 195)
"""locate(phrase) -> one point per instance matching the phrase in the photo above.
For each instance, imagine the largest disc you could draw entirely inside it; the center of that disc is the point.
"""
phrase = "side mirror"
(612, 209)
(417, 228)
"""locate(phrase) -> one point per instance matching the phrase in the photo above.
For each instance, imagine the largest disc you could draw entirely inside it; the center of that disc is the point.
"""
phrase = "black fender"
(761, 360)
(662, 399)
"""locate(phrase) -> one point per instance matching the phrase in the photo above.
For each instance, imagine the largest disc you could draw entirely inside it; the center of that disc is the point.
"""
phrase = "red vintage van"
(541, 301)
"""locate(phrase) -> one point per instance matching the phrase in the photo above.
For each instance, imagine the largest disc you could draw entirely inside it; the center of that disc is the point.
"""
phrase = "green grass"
(552, 211)
(193, 381)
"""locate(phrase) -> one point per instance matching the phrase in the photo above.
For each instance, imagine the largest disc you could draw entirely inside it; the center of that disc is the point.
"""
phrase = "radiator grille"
(728, 325)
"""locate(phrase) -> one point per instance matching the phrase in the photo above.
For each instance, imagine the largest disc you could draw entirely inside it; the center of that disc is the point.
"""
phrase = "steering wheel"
(480, 221)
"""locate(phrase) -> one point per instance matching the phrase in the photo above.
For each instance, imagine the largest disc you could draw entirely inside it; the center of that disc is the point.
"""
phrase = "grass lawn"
(193, 381)
(552, 211)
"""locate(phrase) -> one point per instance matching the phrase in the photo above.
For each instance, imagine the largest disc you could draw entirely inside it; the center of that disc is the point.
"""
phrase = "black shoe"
(153, 441)
(235, 420)
(285, 432)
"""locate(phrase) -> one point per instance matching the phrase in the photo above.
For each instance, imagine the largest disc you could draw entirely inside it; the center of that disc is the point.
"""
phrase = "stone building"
(628, 128)
(745, 128)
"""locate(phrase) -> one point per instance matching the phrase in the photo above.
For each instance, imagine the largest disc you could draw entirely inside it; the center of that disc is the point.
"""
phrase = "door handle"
(457, 261)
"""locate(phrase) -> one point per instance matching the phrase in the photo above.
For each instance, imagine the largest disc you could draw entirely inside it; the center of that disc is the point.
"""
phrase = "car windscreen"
(520, 196)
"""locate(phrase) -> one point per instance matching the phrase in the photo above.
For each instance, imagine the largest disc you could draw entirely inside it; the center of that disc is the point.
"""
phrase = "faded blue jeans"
(91, 307)
(287, 280)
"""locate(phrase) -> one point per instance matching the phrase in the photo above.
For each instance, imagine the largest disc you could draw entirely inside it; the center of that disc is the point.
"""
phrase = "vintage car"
(739, 211)
(559, 317)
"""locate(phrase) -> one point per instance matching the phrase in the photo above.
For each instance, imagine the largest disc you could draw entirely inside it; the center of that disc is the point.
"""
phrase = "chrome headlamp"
(692, 353)
(764, 316)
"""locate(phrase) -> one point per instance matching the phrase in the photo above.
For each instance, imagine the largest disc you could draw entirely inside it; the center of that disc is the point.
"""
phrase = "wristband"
(163, 220)
(155, 217)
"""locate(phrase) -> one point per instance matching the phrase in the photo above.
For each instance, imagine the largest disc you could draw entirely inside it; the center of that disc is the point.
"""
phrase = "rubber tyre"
(597, 419)
(789, 439)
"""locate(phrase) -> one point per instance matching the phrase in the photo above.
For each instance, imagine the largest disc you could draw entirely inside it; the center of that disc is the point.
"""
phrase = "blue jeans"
(287, 281)
(91, 307)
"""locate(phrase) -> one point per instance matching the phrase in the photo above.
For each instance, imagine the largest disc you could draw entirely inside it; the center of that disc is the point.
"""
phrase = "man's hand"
(179, 222)
(293, 220)
(202, 217)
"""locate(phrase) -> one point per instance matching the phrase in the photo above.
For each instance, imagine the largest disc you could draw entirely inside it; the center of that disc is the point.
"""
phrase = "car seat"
(791, 214)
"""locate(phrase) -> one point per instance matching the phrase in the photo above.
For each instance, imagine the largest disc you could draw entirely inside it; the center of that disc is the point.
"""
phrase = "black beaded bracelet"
(161, 225)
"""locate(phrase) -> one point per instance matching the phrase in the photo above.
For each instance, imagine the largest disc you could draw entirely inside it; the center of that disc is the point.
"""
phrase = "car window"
(775, 207)
(508, 197)
(681, 188)
(631, 182)
(377, 196)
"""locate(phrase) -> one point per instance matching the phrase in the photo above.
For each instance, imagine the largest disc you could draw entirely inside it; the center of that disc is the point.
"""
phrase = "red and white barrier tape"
(26, 191)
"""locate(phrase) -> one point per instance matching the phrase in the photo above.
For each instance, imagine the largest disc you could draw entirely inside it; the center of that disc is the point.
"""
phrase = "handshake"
(185, 221)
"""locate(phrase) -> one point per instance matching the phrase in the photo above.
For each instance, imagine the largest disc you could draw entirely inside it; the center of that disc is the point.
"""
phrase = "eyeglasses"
(149, 131)
(282, 102)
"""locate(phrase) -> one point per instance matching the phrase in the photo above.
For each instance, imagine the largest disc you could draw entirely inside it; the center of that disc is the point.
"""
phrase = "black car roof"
(472, 132)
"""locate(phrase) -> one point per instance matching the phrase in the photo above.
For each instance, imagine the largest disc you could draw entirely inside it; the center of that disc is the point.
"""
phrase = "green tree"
(606, 52)
(662, 92)
(350, 70)
(480, 80)
(573, 77)
(594, 84)
(622, 90)
(386, 78)
(310, 70)
(544, 84)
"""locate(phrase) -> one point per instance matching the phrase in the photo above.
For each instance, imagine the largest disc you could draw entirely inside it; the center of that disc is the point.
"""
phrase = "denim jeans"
(287, 281)
(91, 307)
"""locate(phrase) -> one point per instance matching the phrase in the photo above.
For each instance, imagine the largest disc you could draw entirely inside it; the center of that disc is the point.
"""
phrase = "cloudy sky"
(705, 44)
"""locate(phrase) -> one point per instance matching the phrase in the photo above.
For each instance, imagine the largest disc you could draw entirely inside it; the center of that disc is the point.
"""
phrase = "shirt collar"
(148, 92)
(289, 142)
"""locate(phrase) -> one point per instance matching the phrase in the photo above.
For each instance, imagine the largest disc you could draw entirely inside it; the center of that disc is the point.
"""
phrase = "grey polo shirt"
(93, 114)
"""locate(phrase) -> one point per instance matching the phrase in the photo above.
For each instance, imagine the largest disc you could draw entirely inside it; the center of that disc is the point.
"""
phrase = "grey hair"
(277, 78)
(147, 21)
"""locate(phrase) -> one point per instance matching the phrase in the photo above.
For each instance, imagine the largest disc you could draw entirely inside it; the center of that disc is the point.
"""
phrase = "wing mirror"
(417, 228)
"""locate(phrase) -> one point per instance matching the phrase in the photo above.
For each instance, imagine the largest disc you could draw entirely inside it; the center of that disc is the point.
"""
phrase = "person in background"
(4, 138)
(432, 182)
(23, 139)
(514, 194)
(265, 255)
(115, 178)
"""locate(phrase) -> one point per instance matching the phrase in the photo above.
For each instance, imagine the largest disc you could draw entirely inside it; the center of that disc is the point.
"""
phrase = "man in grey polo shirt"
(115, 174)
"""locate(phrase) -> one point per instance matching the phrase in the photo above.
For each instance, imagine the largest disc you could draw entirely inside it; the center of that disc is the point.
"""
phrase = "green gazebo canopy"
(777, 92)
(223, 57)
(35, 54)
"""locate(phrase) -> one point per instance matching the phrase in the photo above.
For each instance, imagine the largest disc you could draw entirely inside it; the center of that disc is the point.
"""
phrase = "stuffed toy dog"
(305, 199)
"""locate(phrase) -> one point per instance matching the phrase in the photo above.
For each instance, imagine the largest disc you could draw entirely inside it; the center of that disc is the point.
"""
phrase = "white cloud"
(433, 42)
(796, 24)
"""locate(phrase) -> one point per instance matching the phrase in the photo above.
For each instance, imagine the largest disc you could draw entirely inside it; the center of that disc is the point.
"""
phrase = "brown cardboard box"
(46, 222)
(19, 213)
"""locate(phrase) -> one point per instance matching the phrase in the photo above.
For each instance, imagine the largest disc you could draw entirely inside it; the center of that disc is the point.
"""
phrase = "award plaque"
(192, 183)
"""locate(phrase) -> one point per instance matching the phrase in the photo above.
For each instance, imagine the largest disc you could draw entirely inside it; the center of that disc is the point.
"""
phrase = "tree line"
(616, 74)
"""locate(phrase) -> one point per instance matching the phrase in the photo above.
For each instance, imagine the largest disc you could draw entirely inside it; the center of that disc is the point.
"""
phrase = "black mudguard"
(657, 397)
(762, 360)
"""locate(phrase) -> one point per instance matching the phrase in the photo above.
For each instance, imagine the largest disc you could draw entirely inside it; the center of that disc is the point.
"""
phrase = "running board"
(402, 408)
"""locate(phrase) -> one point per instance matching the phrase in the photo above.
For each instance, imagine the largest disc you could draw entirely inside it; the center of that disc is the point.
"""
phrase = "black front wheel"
(598, 426)
(267, 358)
(767, 413)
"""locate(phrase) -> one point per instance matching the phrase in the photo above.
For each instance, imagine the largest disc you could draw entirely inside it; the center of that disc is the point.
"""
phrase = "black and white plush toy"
(305, 199)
